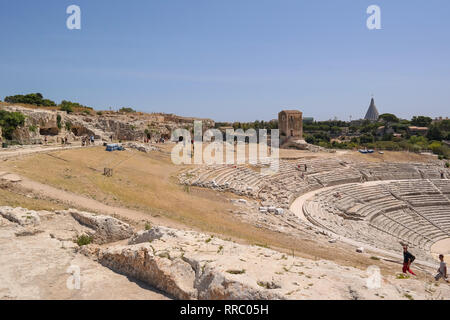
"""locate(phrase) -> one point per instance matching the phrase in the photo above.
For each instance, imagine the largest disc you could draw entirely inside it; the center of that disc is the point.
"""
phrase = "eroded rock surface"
(39, 262)
(22, 216)
(107, 229)
(191, 265)
(35, 261)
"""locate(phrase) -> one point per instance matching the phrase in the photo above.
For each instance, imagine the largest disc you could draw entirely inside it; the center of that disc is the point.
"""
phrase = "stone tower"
(372, 114)
(290, 124)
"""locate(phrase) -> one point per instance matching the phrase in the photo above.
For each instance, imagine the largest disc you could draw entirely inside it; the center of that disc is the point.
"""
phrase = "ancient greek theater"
(189, 160)
(96, 203)
(378, 204)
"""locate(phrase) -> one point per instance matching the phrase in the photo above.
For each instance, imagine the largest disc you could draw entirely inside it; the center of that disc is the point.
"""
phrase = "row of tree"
(268, 125)
(32, 98)
(37, 99)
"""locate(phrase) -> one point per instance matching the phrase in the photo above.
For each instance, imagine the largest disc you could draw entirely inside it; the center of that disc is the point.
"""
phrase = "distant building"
(372, 114)
(440, 119)
(417, 130)
(290, 124)
(383, 130)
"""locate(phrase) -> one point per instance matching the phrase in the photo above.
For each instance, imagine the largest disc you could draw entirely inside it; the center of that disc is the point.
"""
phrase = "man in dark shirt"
(408, 258)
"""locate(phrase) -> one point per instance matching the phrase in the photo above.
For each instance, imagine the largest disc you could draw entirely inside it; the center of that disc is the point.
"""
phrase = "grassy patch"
(12, 199)
(164, 255)
(236, 271)
(84, 240)
(268, 285)
(408, 296)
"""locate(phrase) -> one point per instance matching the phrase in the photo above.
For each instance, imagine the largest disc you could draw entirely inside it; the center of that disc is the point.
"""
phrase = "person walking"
(408, 258)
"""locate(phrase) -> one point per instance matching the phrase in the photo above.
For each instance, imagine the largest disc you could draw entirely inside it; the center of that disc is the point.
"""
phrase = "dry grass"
(390, 156)
(52, 108)
(142, 182)
(12, 199)
(147, 183)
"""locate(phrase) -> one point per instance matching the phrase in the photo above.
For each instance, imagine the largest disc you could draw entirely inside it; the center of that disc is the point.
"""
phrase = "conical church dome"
(372, 114)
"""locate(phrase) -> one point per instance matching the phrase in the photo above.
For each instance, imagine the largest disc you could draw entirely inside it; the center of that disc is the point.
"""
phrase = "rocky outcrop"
(150, 235)
(22, 216)
(36, 121)
(159, 269)
(183, 264)
(56, 125)
(141, 147)
(106, 229)
(191, 265)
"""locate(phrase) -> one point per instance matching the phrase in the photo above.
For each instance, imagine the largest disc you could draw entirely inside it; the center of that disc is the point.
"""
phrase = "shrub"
(236, 271)
(66, 108)
(447, 164)
(70, 106)
(58, 121)
(9, 121)
(127, 110)
(271, 285)
(32, 98)
(84, 240)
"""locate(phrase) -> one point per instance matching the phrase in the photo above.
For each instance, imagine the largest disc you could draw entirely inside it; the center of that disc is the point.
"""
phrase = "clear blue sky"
(231, 60)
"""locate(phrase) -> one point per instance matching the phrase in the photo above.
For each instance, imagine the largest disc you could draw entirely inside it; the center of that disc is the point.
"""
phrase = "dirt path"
(13, 153)
(88, 204)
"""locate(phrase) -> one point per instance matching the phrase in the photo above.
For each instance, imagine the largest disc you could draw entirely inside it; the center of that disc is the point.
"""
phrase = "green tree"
(32, 98)
(127, 110)
(388, 117)
(9, 121)
(421, 121)
(58, 121)
(435, 133)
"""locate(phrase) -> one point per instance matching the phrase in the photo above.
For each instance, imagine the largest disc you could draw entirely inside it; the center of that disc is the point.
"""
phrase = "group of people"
(160, 140)
(64, 141)
(409, 258)
(86, 140)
